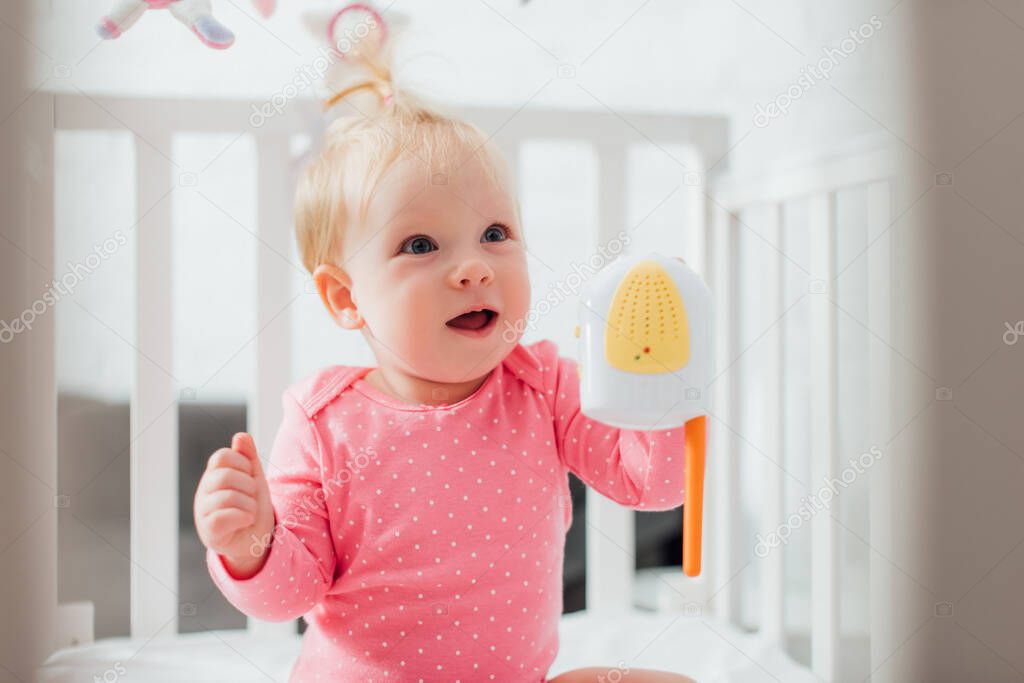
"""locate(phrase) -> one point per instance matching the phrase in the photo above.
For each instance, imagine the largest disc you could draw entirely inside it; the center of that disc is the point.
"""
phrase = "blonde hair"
(334, 191)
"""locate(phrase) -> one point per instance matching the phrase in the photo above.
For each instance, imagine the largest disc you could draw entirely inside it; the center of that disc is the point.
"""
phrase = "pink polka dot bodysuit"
(426, 542)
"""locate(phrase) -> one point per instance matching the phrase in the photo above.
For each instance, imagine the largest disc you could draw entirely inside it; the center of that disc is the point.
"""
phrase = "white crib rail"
(772, 574)
(610, 526)
(824, 424)
(154, 455)
(819, 184)
(154, 420)
(154, 429)
(721, 542)
(610, 560)
(274, 187)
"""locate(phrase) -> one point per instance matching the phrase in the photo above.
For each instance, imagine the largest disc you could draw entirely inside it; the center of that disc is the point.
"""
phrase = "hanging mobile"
(197, 15)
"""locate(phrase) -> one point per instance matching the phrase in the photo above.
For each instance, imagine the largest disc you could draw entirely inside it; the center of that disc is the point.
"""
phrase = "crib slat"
(273, 318)
(824, 544)
(881, 272)
(771, 516)
(721, 465)
(611, 554)
(154, 459)
(154, 414)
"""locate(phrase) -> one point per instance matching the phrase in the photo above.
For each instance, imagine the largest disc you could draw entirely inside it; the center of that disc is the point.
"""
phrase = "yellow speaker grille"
(647, 329)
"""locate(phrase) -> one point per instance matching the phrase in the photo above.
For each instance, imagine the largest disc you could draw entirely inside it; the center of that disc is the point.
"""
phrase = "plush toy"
(195, 14)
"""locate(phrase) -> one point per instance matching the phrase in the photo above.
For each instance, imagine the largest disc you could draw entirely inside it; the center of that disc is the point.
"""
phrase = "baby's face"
(433, 247)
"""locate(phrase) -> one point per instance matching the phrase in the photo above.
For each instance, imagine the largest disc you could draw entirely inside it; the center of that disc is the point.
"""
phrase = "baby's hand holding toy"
(197, 15)
(233, 512)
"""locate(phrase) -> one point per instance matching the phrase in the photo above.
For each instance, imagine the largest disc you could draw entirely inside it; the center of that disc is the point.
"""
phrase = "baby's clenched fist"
(233, 513)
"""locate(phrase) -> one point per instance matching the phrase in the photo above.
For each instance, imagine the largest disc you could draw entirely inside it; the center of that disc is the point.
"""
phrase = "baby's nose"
(473, 272)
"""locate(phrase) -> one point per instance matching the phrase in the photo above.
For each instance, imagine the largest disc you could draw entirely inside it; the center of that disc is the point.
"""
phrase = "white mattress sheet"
(703, 648)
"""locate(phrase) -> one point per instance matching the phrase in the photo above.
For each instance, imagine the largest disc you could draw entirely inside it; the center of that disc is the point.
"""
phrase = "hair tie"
(380, 88)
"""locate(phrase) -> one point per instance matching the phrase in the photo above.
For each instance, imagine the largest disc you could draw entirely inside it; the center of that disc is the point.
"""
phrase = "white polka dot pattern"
(426, 542)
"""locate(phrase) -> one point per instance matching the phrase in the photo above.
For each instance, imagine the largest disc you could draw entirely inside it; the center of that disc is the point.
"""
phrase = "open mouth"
(474, 323)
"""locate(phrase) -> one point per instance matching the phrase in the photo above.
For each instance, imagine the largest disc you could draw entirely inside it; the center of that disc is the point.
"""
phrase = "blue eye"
(424, 245)
(500, 229)
(421, 244)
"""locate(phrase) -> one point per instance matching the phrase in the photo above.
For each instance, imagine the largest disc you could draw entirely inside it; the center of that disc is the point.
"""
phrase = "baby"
(415, 512)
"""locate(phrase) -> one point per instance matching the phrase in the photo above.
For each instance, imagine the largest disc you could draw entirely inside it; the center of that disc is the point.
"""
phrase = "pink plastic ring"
(354, 6)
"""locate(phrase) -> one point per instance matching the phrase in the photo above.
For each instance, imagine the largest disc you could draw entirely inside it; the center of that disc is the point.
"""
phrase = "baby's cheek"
(419, 328)
(518, 300)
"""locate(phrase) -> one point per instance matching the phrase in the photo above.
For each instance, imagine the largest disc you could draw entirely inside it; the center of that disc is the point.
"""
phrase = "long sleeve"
(300, 560)
(640, 469)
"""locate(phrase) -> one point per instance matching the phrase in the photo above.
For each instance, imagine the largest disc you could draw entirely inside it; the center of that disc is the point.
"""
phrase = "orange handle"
(693, 508)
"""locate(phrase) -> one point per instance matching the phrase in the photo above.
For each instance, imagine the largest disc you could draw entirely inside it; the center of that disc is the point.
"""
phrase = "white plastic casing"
(652, 400)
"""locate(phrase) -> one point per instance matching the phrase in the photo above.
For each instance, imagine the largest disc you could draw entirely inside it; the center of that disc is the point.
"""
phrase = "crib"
(793, 240)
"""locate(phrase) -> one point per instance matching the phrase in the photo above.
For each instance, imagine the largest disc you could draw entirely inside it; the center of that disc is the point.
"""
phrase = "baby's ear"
(334, 287)
(350, 319)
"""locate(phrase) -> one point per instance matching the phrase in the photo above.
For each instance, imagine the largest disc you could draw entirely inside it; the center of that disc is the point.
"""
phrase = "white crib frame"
(871, 165)
(610, 566)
